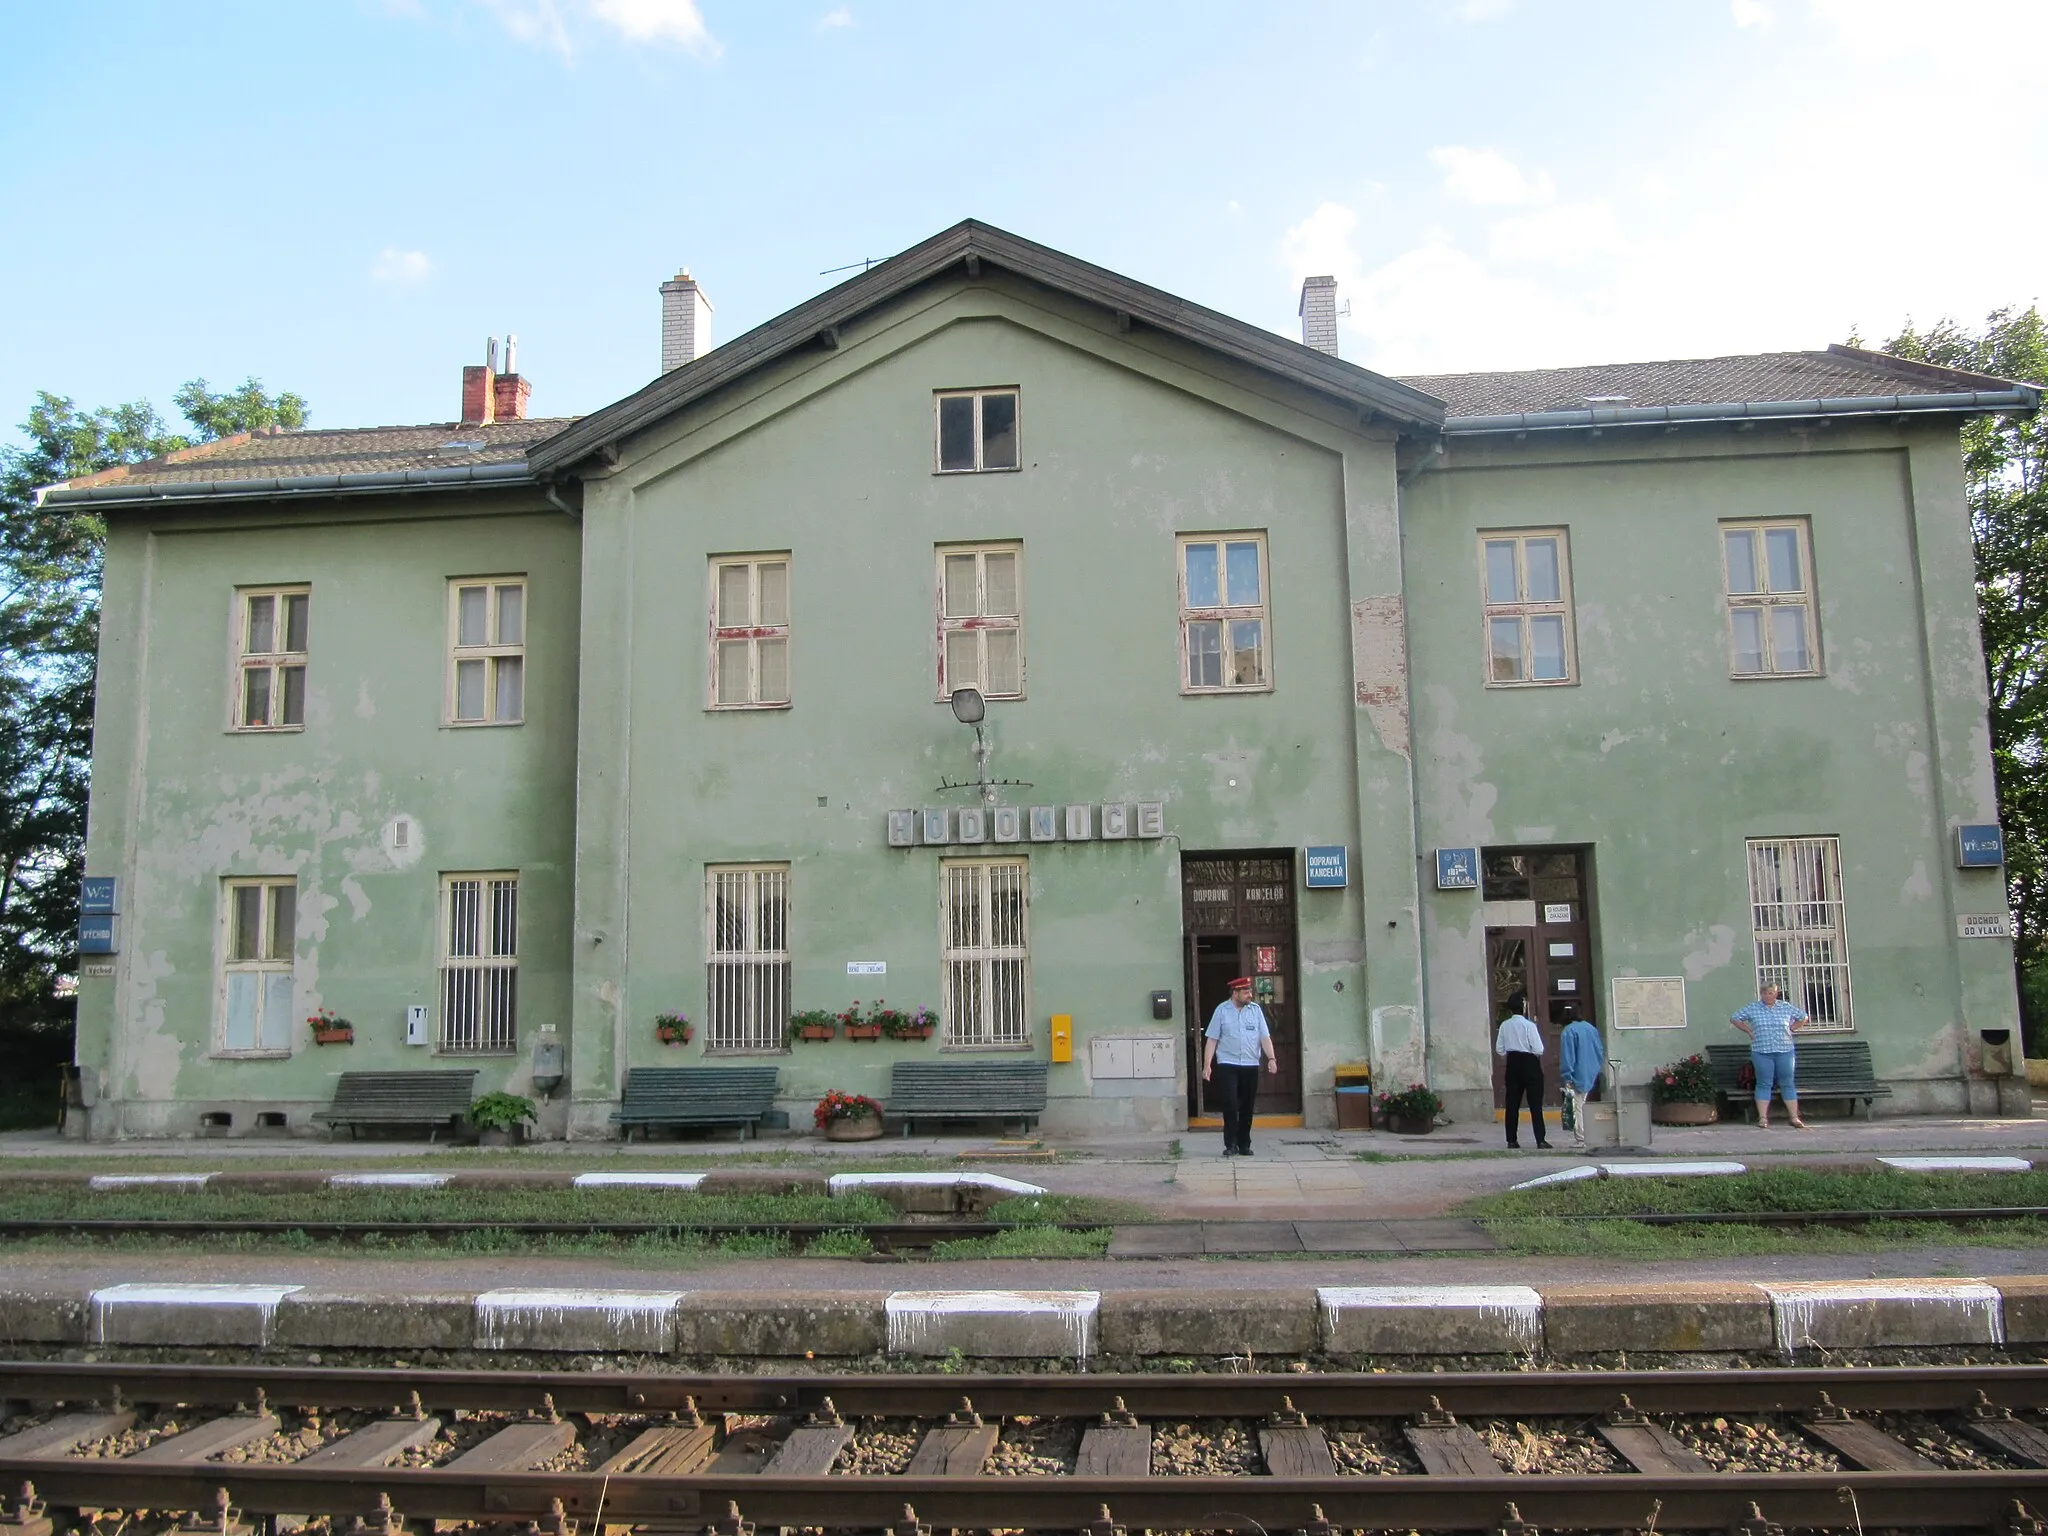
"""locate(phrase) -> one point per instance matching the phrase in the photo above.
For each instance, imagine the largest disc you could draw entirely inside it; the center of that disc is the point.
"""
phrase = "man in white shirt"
(1238, 1038)
(1520, 1043)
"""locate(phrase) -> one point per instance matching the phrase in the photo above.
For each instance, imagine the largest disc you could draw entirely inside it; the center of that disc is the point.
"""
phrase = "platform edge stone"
(1430, 1319)
(828, 1324)
(1199, 1323)
(337, 1319)
(993, 1324)
(1674, 1318)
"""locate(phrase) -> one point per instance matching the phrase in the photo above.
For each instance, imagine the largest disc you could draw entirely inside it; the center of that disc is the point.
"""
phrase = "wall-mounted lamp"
(969, 707)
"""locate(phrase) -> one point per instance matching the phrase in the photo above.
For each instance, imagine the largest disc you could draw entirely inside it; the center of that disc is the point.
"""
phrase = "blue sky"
(345, 197)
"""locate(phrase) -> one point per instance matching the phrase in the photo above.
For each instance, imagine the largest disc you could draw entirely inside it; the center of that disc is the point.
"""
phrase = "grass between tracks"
(1552, 1220)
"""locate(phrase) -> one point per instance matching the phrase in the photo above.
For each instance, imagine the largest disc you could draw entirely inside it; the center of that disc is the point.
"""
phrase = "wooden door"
(1547, 959)
(1238, 918)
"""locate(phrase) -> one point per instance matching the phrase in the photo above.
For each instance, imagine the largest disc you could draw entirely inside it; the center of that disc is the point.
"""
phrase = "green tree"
(49, 634)
(2005, 465)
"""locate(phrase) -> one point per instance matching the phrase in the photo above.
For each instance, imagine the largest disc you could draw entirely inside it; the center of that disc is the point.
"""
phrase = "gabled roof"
(968, 246)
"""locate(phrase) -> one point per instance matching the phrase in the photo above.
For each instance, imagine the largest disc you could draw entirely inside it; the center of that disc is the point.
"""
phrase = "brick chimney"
(685, 321)
(488, 395)
(1318, 311)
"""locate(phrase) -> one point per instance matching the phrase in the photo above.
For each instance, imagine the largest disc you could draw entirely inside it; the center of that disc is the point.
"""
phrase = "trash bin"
(1354, 1096)
(1994, 1054)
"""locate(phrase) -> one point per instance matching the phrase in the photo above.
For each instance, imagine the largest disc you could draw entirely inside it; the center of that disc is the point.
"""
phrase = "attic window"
(1608, 399)
(977, 430)
(459, 446)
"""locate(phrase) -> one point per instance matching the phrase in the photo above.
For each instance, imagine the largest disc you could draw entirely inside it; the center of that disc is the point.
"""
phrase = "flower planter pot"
(913, 1034)
(863, 1031)
(853, 1128)
(1411, 1125)
(672, 1036)
(817, 1032)
(501, 1136)
(1684, 1114)
(334, 1037)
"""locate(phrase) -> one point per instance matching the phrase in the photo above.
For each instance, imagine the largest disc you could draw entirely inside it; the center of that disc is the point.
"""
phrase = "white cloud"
(1483, 10)
(1321, 244)
(1488, 178)
(395, 266)
(1751, 13)
(1568, 233)
(1233, 209)
(532, 21)
(648, 21)
(836, 19)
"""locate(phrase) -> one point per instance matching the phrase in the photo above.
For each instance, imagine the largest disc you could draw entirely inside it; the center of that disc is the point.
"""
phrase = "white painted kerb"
(1958, 1164)
(637, 1180)
(499, 1312)
(1669, 1170)
(1517, 1308)
(917, 1318)
(1562, 1176)
(840, 1183)
(262, 1298)
(399, 1180)
(148, 1181)
(1799, 1308)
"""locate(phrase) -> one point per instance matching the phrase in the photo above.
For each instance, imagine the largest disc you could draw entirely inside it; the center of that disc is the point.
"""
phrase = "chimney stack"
(1318, 311)
(488, 395)
(685, 321)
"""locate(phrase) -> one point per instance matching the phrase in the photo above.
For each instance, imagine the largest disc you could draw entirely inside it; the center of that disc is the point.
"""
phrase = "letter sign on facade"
(96, 934)
(96, 894)
(1980, 847)
(1329, 868)
(903, 829)
(1457, 869)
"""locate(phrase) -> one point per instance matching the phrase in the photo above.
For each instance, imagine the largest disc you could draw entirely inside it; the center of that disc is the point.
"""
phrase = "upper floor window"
(270, 657)
(977, 429)
(750, 632)
(1223, 619)
(1528, 608)
(1771, 629)
(261, 918)
(981, 620)
(487, 652)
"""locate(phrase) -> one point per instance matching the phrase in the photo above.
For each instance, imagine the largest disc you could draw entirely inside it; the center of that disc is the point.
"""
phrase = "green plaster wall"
(179, 802)
(1663, 764)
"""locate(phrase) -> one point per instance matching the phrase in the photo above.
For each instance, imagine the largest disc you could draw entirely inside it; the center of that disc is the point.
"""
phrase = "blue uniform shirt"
(1770, 1026)
(1237, 1033)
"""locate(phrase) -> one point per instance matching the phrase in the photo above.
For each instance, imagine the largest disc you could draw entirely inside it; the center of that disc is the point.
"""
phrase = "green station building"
(1627, 686)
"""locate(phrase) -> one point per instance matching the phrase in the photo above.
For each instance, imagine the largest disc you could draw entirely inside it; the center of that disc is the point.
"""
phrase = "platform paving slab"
(741, 1324)
(995, 1324)
(2023, 1308)
(1849, 1314)
(1707, 1317)
(44, 1317)
(568, 1320)
(191, 1315)
(1200, 1323)
(1350, 1237)
(1430, 1319)
(321, 1318)
(1250, 1237)
(1449, 1234)
(1157, 1240)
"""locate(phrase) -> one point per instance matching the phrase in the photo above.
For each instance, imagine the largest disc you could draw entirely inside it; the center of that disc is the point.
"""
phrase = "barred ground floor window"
(1797, 916)
(985, 952)
(479, 964)
(746, 983)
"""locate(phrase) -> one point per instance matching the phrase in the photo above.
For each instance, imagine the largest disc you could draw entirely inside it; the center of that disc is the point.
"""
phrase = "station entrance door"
(1237, 919)
(1541, 951)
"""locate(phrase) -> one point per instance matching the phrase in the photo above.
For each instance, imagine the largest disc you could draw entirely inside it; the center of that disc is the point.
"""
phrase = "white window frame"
(1806, 598)
(746, 959)
(986, 966)
(981, 622)
(492, 654)
(725, 632)
(1227, 615)
(1795, 931)
(270, 1037)
(275, 662)
(980, 465)
(480, 986)
(1523, 609)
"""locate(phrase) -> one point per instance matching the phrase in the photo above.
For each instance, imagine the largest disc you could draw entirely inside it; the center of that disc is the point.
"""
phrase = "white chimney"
(685, 321)
(1318, 313)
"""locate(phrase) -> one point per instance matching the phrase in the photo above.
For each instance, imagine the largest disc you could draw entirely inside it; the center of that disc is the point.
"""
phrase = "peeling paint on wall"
(1709, 954)
(1917, 887)
(1379, 665)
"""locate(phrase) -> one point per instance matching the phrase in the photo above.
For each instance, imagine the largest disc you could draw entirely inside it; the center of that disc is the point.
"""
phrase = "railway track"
(1949, 1447)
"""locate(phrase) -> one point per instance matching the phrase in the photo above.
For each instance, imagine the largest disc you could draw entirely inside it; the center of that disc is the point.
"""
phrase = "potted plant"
(672, 1028)
(500, 1118)
(1684, 1093)
(330, 1028)
(848, 1116)
(1411, 1112)
(918, 1024)
(855, 1027)
(812, 1024)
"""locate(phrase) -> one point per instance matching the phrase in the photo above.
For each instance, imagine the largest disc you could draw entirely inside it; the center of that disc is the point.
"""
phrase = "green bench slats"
(711, 1096)
(432, 1099)
(1826, 1069)
(966, 1090)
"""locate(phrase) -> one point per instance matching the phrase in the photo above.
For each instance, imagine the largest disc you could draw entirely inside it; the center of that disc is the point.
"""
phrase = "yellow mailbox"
(1063, 1037)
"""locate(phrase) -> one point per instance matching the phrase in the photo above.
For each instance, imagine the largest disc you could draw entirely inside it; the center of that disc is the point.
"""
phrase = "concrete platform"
(1192, 1239)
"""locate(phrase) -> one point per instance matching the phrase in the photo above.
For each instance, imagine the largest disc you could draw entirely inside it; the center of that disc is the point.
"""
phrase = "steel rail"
(905, 1233)
(1624, 1501)
(1942, 1388)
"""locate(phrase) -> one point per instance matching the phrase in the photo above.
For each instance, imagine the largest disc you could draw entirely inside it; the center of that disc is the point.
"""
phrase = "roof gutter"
(2019, 398)
(122, 493)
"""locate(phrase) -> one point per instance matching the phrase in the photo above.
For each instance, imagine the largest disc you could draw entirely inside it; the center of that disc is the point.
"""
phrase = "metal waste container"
(1354, 1096)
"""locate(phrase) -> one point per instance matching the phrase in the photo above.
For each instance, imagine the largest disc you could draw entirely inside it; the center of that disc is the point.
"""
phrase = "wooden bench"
(1825, 1069)
(432, 1099)
(966, 1090)
(708, 1096)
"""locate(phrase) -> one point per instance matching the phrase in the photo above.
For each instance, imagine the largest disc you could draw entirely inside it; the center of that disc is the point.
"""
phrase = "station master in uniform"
(1237, 1039)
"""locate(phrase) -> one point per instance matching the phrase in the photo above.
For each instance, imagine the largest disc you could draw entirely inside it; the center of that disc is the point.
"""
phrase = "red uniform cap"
(1240, 981)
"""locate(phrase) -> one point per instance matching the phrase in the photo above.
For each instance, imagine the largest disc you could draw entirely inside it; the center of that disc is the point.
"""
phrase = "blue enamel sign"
(1457, 869)
(1329, 869)
(96, 934)
(96, 894)
(1980, 847)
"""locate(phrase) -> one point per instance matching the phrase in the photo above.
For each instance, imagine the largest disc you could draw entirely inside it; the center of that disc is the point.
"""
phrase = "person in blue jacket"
(1580, 1056)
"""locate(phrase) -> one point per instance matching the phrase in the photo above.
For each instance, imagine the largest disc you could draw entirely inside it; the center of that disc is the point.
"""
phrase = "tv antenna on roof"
(864, 263)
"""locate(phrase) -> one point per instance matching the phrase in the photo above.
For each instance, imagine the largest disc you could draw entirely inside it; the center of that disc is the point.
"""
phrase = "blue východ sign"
(1980, 847)
(1329, 869)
